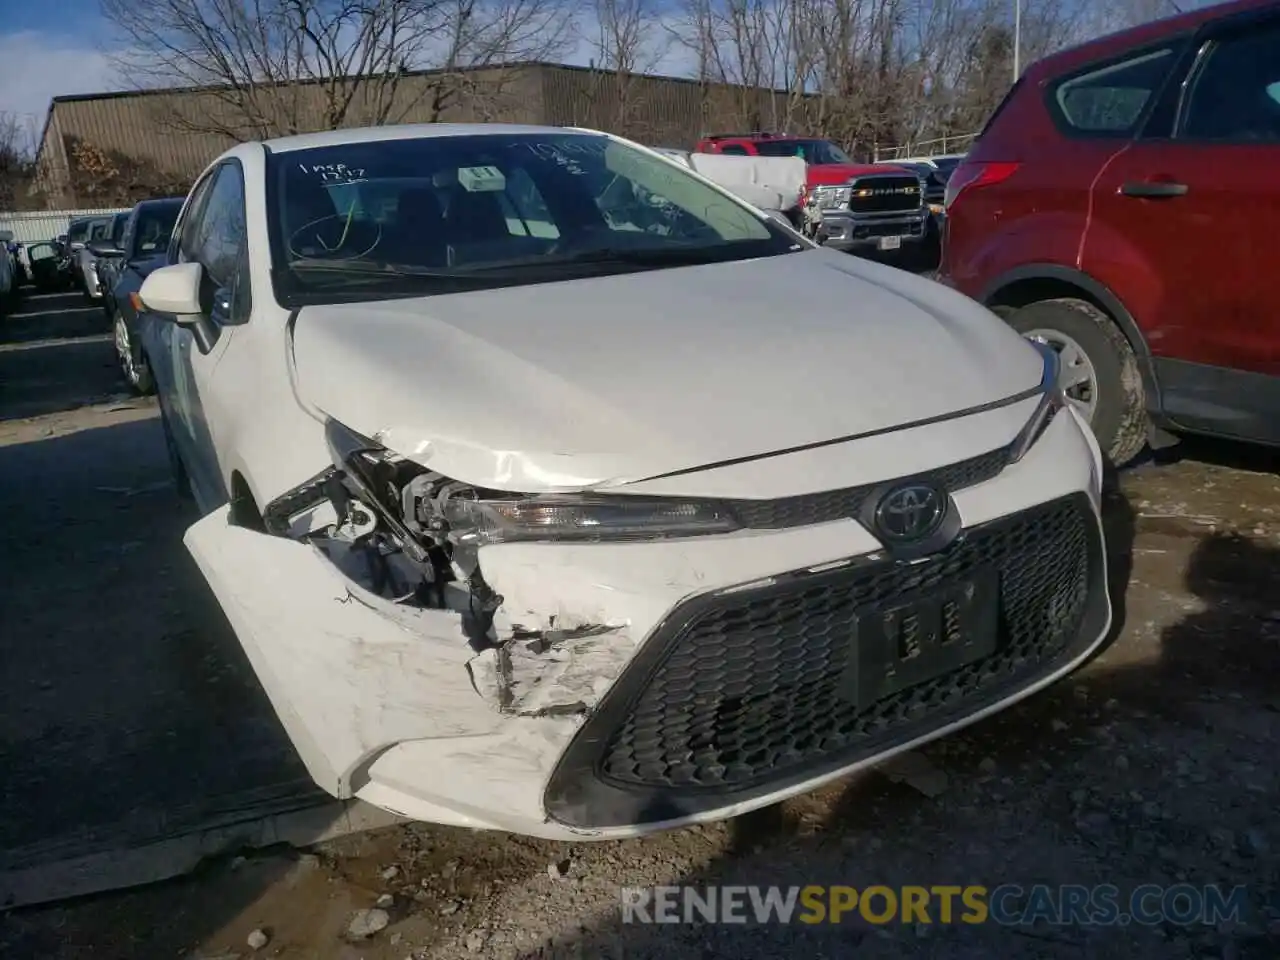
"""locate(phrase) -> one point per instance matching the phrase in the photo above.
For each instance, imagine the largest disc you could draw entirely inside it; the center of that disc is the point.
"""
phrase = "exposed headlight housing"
(1052, 399)
(472, 516)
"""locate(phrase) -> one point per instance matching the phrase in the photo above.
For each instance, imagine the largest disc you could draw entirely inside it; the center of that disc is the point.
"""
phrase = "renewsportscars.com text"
(1007, 905)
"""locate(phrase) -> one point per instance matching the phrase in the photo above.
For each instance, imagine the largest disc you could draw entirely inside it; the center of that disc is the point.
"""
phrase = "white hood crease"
(597, 382)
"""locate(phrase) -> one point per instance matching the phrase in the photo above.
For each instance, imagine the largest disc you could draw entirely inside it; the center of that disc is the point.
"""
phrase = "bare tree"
(17, 165)
(627, 41)
(754, 47)
(108, 178)
(472, 45)
(273, 67)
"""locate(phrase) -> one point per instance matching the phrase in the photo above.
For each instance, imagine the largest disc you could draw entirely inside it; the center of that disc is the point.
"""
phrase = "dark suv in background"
(123, 264)
(1122, 205)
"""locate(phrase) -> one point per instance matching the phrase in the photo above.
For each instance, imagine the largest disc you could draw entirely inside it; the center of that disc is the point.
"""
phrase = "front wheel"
(1100, 373)
(133, 362)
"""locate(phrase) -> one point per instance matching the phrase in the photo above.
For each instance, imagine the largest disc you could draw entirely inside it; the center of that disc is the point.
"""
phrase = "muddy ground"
(1155, 764)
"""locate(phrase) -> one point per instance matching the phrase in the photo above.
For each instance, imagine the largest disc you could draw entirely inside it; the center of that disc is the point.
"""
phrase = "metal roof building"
(112, 149)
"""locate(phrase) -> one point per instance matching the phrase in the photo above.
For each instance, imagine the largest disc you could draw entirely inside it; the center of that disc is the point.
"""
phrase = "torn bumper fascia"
(391, 704)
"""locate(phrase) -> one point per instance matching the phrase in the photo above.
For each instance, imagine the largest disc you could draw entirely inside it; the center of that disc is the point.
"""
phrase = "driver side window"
(181, 244)
(217, 239)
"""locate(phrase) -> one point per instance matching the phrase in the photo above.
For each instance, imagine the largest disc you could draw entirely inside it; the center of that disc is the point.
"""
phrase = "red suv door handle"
(1154, 189)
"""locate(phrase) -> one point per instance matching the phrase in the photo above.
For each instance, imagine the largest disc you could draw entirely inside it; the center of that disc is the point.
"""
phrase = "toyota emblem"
(910, 512)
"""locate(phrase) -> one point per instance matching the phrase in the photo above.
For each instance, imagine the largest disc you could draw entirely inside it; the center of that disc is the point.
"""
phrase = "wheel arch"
(1034, 282)
(245, 511)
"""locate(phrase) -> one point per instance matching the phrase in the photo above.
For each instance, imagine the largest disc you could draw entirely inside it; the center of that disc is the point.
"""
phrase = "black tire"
(1120, 415)
(181, 480)
(135, 369)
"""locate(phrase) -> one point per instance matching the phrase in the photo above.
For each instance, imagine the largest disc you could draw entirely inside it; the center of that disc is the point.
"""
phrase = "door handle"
(1154, 190)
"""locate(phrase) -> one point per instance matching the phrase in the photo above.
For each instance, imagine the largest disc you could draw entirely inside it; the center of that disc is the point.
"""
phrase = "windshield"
(78, 231)
(946, 166)
(441, 214)
(810, 151)
(117, 227)
(154, 226)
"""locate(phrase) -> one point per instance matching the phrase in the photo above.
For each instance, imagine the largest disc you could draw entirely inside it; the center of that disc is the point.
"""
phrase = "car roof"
(1143, 34)
(410, 131)
(161, 202)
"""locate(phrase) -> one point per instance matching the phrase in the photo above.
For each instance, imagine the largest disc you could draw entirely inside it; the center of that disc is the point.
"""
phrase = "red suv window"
(1111, 100)
(1235, 96)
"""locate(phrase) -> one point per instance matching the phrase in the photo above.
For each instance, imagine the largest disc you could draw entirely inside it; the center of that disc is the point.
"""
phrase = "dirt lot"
(1153, 765)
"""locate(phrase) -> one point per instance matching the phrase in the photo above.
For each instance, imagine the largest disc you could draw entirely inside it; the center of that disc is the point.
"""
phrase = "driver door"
(214, 235)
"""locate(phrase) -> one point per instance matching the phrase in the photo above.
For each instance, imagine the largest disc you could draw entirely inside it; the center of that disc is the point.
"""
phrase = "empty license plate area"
(890, 243)
(915, 640)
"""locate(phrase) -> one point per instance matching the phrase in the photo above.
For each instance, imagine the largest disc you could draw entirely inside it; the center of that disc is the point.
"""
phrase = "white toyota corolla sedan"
(552, 489)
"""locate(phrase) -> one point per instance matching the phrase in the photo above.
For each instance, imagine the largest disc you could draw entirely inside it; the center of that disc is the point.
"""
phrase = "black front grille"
(885, 194)
(742, 693)
(830, 505)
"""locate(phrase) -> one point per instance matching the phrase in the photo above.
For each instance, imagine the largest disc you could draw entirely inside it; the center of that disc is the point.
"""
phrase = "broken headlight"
(1052, 399)
(424, 506)
(477, 518)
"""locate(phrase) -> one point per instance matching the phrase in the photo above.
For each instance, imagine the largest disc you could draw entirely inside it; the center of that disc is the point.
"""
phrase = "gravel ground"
(1151, 765)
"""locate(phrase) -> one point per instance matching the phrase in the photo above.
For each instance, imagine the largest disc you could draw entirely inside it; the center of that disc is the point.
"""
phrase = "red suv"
(1123, 205)
(858, 206)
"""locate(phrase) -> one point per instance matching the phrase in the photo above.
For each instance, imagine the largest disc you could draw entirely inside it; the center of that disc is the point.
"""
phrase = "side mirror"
(174, 290)
(105, 248)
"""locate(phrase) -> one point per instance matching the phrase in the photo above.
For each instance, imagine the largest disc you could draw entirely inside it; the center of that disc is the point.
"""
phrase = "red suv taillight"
(971, 175)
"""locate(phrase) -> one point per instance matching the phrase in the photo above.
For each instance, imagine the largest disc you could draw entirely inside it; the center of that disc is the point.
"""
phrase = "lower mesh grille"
(743, 692)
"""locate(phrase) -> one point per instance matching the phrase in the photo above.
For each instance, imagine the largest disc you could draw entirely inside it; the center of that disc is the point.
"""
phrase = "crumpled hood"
(607, 380)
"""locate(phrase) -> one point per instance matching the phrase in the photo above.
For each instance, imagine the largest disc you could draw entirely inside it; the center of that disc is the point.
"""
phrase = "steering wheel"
(338, 236)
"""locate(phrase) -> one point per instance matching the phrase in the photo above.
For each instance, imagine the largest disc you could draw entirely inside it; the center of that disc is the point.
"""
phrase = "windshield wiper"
(371, 268)
(628, 256)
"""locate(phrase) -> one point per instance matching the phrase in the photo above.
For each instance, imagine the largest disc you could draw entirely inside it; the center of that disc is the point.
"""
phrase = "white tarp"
(771, 183)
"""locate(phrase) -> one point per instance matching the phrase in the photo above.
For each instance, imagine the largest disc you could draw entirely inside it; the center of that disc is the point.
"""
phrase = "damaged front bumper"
(399, 705)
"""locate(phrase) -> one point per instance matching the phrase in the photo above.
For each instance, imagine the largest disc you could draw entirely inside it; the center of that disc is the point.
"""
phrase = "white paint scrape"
(548, 676)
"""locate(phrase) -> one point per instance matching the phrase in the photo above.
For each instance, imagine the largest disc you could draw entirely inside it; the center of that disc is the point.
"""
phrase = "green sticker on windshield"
(482, 179)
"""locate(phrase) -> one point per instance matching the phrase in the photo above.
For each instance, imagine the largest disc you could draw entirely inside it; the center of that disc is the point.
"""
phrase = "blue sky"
(50, 48)
(54, 48)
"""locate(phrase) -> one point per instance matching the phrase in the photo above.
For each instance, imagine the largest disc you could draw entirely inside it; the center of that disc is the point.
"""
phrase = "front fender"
(1000, 248)
(1099, 293)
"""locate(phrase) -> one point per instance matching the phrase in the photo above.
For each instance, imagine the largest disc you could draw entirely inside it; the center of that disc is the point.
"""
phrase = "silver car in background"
(84, 260)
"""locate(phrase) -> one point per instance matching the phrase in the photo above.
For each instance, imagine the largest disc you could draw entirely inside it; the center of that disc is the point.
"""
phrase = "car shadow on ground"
(1093, 781)
(131, 716)
(52, 316)
(56, 358)
(1222, 453)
